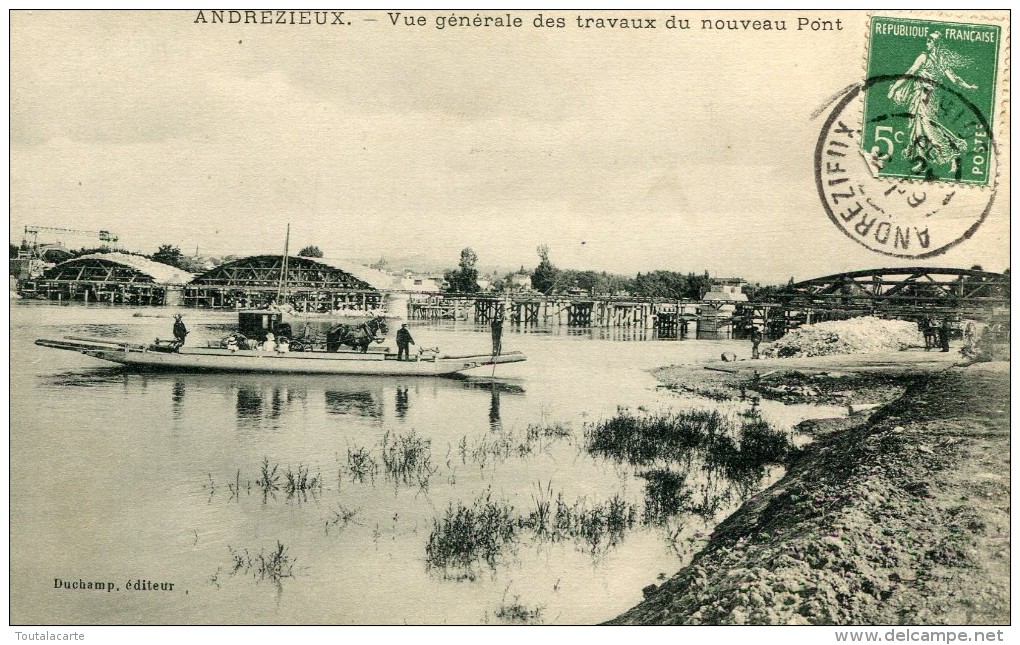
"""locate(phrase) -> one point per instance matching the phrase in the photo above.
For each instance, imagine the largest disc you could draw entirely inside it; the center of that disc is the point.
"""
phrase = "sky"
(622, 151)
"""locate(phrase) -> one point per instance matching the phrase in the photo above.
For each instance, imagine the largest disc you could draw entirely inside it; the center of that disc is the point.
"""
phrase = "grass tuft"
(642, 440)
(467, 534)
(274, 566)
(268, 480)
(407, 458)
(300, 482)
(361, 465)
(515, 613)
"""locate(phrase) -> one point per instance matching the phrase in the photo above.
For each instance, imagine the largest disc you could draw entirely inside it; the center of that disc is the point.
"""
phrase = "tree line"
(548, 279)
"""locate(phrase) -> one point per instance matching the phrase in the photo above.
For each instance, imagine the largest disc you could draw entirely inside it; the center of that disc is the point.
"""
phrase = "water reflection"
(623, 334)
(257, 398)
(666, 494)
(494, 422)
(177, 399)
(276, 403)
(96, 377)
(249, 403)
(253, 398)
(98, 330)
(502, 385)
(402, 401)
(357, 402)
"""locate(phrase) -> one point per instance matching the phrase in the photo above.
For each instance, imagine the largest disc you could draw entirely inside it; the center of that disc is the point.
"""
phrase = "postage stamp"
(930, 101)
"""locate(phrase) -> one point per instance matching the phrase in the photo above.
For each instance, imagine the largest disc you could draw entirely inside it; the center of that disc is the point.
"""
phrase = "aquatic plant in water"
(516, 613)
(467, 534)
(274, 566)
(666, 495)
(407, 458)
(268, 479)
(675, 437)
(554, 431)
(340, 518)
(599, 524)
(503, 444)
(483, 531)
(642, 440)
(300, 482)
(361, 464)
(737, 450)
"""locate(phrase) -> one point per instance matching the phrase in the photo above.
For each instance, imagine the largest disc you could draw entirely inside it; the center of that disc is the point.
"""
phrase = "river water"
(118, 476)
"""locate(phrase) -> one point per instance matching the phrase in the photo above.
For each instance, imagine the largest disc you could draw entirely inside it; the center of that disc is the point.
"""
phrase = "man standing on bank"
(944, 335)
(404, 341)
(497, 334)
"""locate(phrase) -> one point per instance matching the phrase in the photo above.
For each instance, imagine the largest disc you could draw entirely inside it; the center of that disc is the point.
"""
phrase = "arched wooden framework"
(309, 285)
(108, 277)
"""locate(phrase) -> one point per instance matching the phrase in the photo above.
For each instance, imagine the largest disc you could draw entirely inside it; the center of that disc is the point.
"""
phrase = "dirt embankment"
(902, 517)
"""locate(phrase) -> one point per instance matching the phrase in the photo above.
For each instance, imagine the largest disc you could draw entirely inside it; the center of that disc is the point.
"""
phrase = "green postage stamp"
(930, 99)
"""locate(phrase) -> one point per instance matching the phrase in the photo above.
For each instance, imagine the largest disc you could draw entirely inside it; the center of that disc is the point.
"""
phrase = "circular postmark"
(928, 210)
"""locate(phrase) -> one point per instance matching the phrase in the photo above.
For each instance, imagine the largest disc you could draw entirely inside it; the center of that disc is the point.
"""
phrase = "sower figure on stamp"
(497, 334)
(404, 342)
(930, 142)
(180, 331)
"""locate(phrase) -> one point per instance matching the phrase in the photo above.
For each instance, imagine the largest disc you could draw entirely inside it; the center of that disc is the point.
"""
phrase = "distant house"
(727, 289)
(519, 282)
(716, 314)
(410, 281)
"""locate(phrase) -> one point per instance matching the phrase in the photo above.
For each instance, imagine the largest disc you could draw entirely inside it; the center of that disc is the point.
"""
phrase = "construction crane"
(106, 238)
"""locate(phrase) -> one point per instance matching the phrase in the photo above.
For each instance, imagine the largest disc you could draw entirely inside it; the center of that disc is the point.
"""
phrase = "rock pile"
(854, 336)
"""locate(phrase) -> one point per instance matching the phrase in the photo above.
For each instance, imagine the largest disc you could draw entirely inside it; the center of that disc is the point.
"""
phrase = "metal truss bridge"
(904, 291)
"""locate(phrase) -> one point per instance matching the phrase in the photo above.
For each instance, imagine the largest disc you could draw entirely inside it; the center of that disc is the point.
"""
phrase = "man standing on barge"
(180, 331)
(497, 334)
(404, 341)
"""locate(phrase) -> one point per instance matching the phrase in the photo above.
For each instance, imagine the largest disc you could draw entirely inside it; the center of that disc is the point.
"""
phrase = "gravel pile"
(854, 336)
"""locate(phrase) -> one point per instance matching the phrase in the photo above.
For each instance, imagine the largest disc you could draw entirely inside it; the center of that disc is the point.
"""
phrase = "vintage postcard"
(510, 317)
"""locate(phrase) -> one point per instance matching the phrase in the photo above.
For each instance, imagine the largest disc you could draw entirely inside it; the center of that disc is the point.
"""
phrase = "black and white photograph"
(510, 317)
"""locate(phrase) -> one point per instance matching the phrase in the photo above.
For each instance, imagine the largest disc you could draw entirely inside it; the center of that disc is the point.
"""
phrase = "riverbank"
(900, 516)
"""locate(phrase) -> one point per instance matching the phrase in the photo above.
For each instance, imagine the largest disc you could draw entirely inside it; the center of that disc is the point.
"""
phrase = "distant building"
(716, 320)
(727, 289)
(416, 282)
(520, 282)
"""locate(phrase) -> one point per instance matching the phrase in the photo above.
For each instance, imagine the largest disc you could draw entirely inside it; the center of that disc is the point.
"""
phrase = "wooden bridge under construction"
(323, 285)
(902, 292)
